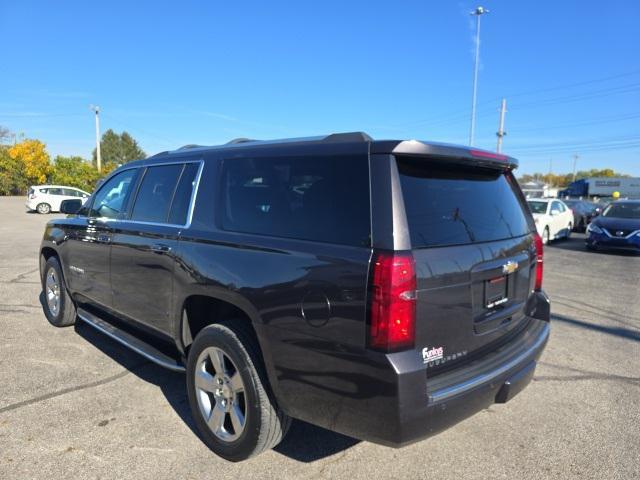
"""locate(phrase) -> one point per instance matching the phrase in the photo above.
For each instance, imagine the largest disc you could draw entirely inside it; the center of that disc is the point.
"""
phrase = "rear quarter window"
(320, 198)
(456, 205)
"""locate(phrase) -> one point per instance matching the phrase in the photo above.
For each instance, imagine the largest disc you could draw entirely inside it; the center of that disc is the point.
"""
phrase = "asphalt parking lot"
(74, 404)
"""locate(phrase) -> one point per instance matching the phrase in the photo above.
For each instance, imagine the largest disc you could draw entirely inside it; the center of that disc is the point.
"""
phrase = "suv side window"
(184, 191)
(110, 200)
(55, 191)
(324, 199)
(155, 193)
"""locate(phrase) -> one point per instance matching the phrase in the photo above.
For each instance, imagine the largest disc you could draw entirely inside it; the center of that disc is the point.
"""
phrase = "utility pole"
(96, 109)
(472, 131)
(575, 160)
(501, 133)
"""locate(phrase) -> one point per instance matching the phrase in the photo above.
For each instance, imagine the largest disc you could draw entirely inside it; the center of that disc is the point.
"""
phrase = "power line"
(569, 85)
(617, 138)
(613, 118)
(139, 130)
(607, 148)
(582, 96)
(465, 112)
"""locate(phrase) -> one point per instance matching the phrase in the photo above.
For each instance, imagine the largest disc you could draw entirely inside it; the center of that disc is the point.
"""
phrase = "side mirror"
(70, 207)
(555, 212)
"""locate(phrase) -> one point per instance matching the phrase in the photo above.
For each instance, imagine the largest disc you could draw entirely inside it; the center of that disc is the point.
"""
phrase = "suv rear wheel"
(228, 393)
(56, 303)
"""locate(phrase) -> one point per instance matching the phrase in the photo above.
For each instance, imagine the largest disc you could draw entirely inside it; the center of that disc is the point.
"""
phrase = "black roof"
(361, 139)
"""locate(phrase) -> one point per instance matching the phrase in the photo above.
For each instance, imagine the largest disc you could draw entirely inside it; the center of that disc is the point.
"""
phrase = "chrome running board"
(140, 347)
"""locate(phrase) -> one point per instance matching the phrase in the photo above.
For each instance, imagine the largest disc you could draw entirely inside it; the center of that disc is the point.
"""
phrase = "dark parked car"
(583, 213)
(382, 289)
(617, 228)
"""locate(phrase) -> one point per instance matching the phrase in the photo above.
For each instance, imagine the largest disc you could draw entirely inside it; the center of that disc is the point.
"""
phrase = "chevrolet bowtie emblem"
(509, 267)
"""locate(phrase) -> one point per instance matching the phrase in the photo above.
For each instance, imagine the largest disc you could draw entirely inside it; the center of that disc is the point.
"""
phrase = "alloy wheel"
(220, 394)
(52, 287)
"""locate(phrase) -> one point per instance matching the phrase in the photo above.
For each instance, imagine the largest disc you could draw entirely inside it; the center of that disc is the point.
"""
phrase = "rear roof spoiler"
(415, 148)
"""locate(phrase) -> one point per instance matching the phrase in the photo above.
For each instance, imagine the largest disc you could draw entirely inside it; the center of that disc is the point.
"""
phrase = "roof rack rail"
(348, 137)
(188, 146)
(158, 154)
(240, 140)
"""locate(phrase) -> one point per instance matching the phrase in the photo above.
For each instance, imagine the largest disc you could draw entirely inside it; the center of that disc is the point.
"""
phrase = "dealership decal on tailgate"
(432, 354)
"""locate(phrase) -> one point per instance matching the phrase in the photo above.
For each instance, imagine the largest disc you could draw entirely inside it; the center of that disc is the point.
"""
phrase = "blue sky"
(173, 73)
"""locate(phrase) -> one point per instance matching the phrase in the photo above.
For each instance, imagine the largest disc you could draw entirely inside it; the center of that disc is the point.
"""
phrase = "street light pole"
(472, 131)
(96, 109)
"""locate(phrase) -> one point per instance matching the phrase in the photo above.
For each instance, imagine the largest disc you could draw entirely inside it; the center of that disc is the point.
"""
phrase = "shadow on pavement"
(304, 442)
(627, 333)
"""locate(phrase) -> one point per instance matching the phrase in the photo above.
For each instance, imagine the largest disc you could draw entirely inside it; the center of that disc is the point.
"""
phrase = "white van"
(47, 198)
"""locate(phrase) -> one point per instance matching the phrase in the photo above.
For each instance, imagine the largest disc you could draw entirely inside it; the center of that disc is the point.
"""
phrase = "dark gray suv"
(382, 289)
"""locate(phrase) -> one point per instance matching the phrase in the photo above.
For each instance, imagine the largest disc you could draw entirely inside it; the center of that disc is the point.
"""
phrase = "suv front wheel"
(235, 413)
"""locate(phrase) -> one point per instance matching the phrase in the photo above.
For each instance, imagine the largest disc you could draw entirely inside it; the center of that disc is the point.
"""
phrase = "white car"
(47, 198)
(553, 218)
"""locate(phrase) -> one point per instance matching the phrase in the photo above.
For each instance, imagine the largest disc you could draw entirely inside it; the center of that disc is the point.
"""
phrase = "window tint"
(454, 205)
(182, 197)
(70, 192)
(312, 198)
(155, 193)
(557, 206)
(109, 201)
(55, 191)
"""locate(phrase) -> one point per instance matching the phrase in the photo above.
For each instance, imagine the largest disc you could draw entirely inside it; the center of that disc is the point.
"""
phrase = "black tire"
(546, 236)
(65, 314)
(43, 208)
(569, 230)
(265, 424)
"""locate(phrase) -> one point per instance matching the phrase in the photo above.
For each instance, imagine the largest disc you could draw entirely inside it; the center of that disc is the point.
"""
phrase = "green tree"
(117, 149)
(74, 172)
(13, 180)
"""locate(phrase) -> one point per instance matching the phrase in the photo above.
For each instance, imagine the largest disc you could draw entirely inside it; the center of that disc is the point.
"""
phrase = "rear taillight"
(392, 301)
(539, 261)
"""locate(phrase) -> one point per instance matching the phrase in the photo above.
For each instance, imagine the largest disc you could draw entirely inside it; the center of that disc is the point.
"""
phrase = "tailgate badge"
(432, 354)
(509, 267)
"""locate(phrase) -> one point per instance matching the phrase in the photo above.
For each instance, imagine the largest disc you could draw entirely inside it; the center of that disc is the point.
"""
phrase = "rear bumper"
(389, 398)
(458, 395)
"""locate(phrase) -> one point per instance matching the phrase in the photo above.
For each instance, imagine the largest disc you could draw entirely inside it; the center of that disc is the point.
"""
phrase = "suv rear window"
(325, 199)
(457, 205)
